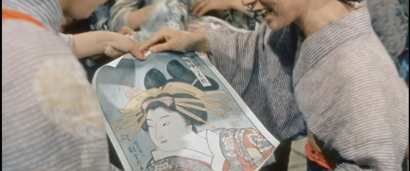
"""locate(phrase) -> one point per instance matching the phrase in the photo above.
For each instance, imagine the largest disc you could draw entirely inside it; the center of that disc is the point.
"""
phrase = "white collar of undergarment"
(216, 159)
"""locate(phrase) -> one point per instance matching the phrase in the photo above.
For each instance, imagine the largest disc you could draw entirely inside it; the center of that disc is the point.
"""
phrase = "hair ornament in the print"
(168, 91)
(166, 100)
(136, 116)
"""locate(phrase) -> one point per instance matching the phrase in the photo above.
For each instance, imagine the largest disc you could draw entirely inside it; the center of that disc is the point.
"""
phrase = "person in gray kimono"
(316, 68)
(133, 13)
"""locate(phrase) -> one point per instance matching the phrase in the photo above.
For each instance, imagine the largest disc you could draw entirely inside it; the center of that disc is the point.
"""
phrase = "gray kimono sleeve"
(259, 65)
(119, 13)
(67, 39)
(354, 101)
(233, 55)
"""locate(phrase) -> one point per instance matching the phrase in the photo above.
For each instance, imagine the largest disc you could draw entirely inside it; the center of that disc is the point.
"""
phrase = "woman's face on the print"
(277, 13)
(167, 129)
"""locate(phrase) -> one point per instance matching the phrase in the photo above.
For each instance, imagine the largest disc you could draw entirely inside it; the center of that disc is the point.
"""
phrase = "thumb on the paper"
(138, 54)
(160, 47)
(135, 51)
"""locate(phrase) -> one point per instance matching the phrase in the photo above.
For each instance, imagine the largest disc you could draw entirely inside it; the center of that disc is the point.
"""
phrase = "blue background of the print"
(130, 70)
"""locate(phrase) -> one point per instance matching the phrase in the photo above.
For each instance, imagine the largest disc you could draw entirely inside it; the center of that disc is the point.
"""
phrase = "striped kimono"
(340, 83)
(51, 119)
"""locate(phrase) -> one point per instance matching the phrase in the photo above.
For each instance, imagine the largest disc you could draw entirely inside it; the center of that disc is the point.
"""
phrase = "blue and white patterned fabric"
(99, 19)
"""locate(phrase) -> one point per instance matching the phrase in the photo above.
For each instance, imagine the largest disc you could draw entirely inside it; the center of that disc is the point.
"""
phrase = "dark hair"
(179, 73)
(188, 120)
(155, 78)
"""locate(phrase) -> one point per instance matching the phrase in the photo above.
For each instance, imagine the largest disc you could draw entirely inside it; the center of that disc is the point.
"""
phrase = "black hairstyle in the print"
(155, 78)
(188, 120)
(181, 74)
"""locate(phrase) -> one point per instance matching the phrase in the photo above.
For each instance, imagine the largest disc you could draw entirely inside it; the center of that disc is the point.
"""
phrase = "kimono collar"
(193, 154)
(48, 12)
(213, 142)
(329, 37)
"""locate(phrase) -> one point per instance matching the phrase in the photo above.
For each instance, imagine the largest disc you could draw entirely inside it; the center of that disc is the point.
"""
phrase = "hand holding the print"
(110, 43)
(175, 40)
(200, 7)
(123, 43)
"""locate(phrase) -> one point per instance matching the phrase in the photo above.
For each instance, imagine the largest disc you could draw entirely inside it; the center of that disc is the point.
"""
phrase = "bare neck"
(318, 13)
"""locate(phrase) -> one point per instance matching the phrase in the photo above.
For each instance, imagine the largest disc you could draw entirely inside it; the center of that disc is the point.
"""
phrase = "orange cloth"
(13, 14)
(314, 155)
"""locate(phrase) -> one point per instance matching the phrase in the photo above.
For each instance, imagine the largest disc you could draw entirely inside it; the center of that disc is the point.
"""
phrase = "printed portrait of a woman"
(172, 110)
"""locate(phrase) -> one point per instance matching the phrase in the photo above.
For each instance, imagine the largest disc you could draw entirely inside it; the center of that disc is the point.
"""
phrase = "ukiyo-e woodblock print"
(174, 112)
